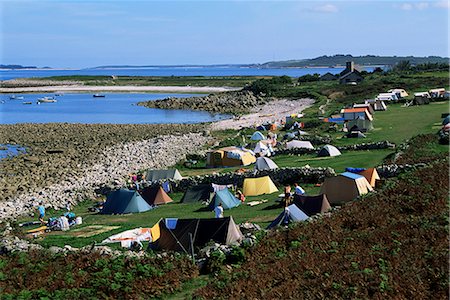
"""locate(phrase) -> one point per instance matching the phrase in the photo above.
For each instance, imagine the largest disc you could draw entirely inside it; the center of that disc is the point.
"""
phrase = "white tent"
(299, 144)
(265, 163)
(262, 149)
(329, 150)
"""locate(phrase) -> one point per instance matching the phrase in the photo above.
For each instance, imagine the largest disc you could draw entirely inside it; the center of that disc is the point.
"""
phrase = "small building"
(350, 75)
(328, 77)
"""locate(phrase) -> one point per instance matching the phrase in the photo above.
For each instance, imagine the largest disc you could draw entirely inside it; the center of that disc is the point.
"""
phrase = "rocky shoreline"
(237, 103)
(67, 162)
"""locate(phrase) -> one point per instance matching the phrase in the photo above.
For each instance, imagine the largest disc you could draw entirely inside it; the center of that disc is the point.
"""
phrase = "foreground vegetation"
(393, 244)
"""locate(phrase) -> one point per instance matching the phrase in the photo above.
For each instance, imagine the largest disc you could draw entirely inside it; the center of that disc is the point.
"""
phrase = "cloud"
(442, 4)
(326, 8)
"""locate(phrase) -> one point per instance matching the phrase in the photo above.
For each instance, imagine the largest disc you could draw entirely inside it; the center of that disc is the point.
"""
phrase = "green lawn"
(357, 159)
(261, 214)
(399, 123)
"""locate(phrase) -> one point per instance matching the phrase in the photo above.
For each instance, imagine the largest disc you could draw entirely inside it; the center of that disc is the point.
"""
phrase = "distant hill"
(17, 67)
(340, 60)
(174, 66)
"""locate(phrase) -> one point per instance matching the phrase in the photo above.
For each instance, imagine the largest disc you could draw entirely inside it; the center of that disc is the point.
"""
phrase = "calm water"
(10, 150)
(117, 108)
(206, 71)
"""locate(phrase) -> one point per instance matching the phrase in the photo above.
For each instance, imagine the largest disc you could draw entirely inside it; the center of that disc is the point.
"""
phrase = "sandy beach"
(271, 112)
(120, 89)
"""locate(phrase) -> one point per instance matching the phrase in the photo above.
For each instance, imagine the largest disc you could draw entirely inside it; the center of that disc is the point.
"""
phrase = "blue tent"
(446, 120)
(227, 199)
(124, 202)
(257, 136)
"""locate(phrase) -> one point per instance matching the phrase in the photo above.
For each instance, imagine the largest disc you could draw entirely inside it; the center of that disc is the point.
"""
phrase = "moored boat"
(14, 97)
(46, 100)
(98, 96)
(27, 102)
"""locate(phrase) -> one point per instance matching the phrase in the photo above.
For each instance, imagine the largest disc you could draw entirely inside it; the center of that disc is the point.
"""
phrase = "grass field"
(396, 125)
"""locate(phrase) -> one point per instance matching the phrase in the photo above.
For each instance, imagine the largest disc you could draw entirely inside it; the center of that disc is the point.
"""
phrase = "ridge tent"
(292, 213)
(196, 193)
(363, 125)
(156, 175)
(312, 205)
(329, 150)
(265, 163)
(225, 197)
(259, 186)
(174, 234)
(345, 187)
(371, 176)
(155, 195)
(229, 157)
(257, 136)
(446, 120)
(299, 144)
(124, 201)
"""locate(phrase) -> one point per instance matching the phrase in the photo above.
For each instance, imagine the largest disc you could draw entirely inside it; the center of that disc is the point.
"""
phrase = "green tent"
(156, 175)
(196, 193)
(362, 125)
(124, 202)
(227, 199)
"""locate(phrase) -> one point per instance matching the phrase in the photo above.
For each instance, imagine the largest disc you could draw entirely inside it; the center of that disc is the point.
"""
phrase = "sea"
(121, 108)
(114, 108)
(171, 71)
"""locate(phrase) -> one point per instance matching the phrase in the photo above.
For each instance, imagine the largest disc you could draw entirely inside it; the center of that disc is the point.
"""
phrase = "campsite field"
(394, 125)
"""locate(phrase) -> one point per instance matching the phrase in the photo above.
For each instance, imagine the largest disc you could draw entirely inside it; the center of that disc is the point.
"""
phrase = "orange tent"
(371, 175)
(155, 195)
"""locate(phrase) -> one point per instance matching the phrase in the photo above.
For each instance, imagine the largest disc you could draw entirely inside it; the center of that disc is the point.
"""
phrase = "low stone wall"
(356, 147)
(279, 177)
(393, 170)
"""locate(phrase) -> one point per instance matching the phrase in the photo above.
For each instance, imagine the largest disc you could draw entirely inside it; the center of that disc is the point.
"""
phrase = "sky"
(78, 34)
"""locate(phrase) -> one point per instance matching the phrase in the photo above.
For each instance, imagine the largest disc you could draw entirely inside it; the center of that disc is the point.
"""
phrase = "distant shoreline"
(121, 89)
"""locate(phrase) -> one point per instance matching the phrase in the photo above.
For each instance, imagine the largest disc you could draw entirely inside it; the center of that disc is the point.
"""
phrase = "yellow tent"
(259, 186)
(345, 187)
(371, 175)
(229, 157)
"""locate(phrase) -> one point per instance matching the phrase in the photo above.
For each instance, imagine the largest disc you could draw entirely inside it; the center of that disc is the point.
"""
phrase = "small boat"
(46, 100)
(27, 102)
(98, 96)
(14, 97)
(59, 94)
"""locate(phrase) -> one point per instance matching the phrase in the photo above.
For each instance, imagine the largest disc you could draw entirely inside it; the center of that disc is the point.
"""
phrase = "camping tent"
(229, 157)
(446, 120)
(156, 175)
(257, 136)
(345, 187)
(299, 144)
(262, 149)
(123, 202)
(259, 186)
(363, 125)
(265, 163)
(371, 176)
(196, 193)
(292, 213)
(225, 197)
(175, 234)
(155, 195)
(312, 205)
(355, 134)
(329, 150)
